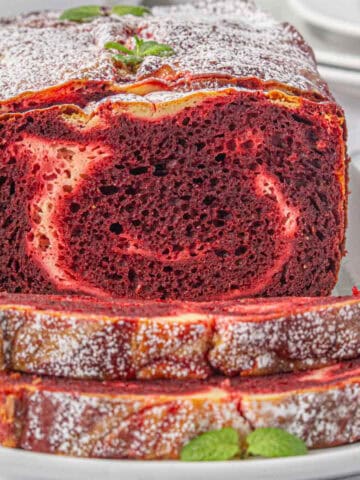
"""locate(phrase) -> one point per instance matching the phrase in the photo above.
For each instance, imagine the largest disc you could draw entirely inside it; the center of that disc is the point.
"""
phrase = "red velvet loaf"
(215, 173)
(88, 338)
(149, 420)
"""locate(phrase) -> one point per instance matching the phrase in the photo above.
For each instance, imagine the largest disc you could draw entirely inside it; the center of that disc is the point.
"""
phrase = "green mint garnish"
(143, 48)
(147, 48)
(82, 14)
(118, 46)
(274, 442)
(219, 445)
(87, 13)
(138, 11)
(216, 445)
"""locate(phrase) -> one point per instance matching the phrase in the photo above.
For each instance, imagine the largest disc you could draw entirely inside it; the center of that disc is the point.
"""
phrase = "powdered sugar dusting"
(185, 341)
(99, 347)
(297, 341)
(121, 426)
(210, 37)
(322, 418)
(36, 55)
(114, 420)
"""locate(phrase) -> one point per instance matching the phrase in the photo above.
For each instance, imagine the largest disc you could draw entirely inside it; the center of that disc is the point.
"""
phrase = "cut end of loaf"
(230, 214)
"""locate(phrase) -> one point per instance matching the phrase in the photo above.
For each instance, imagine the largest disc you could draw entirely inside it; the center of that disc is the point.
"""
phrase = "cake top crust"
(211, 38)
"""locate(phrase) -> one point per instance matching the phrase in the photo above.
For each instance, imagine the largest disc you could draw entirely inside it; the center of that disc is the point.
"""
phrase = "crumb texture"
(142, 210)
(210, 195)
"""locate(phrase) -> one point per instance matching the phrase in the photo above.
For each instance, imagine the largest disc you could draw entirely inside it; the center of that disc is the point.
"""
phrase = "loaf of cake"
(118, 339)
(216, 172)
(153, 420)
(158, 170)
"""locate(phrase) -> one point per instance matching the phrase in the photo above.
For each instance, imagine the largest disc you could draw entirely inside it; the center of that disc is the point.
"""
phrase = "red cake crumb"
(223, 218)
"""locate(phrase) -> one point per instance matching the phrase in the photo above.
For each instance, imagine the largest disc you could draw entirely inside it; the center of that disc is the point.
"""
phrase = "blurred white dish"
(339, 75)
(340, 59)
(338, 17)
(338, 55)
(319, 465)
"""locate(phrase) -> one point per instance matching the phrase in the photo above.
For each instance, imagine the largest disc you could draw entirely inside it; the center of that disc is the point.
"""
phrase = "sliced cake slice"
(83, 337)
(153, 420)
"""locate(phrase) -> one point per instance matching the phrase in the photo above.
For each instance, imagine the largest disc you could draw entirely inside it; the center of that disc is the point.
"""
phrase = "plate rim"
(335, 461)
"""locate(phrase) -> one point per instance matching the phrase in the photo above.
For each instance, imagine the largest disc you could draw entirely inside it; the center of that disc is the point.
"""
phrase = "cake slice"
(153, 420)
(124, 339)
(215, 173)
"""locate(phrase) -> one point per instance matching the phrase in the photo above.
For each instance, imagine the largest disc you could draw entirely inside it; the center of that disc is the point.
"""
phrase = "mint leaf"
(156, 49)
(146, 48)
(87, 13)
(274, 442)
(216, 445)
(142, 49)
(138, 11)
(128, 59)
(118, 46)
(82, 14)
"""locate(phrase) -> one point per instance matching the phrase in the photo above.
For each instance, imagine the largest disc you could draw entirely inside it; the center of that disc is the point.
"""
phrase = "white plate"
(339, 59)
(323, 464)
(342, 17)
